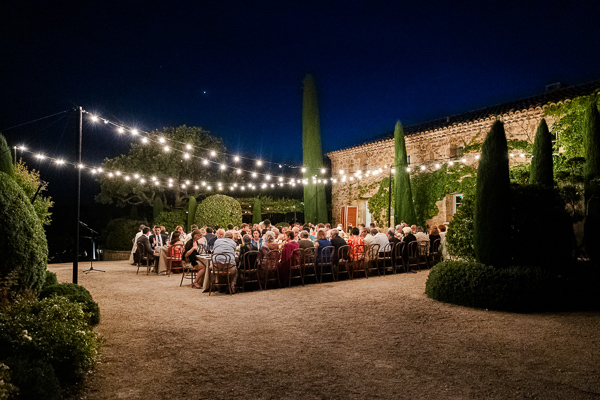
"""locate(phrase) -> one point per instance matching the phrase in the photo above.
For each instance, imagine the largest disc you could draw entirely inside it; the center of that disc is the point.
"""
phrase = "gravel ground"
(368, 338)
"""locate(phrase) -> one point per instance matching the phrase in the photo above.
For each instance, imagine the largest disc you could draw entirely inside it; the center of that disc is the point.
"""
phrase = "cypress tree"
(192, 205)
(256, 211)
(541, 172)
(591, 174)
(404, 209)
(6, 164)
(157, 207)
(492, 208)
(315, 202)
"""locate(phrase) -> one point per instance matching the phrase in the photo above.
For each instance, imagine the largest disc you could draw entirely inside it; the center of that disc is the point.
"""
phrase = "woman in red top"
(286, 257)
(357, 252)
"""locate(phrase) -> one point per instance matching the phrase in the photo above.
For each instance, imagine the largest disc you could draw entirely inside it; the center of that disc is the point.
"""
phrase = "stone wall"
(424, 148)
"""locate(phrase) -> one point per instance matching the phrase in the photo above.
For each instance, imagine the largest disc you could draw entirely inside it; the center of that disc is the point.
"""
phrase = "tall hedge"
(6, 164)
(404, 209)
(120, 233)
(157, 208)
(23, 244)
(256, 211)
(170, 219)
(315, 202)
(219, 210)
(192, 205)
(591, 174)
(541, 172)
(492, 207)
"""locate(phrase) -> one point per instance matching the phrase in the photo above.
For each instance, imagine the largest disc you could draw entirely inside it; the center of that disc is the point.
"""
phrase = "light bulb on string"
(40, 156)
(117, 173)
(451, 163)
(213, 153)
(156, 183)
(167, 149)
(188, 146)
(205, 162)
(268, 177)
(161, 140)
(142, 180)
(196, 187)
(254, 174)
(303, 170)
(259, 163)
(186, 156)
(223, 167)
(236, 158)
(187, 182)
(323, 170)
(110, 175)
(238, 171)
(94, 118)
(136, 176)
(407, 169)
(144, 140)
(134, 132)
(422, 168)
(127, 178)
(121, 130)
(60, 161)
(208, 188)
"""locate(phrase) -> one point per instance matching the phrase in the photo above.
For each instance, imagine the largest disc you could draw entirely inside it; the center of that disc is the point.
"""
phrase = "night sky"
(236, 68)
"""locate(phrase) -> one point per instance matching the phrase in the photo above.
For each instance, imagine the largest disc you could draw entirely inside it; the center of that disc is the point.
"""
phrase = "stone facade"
(425, 148)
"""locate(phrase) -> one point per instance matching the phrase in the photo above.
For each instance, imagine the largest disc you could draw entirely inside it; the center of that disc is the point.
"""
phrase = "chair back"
(297, 258)
(270, 260)
(221, 262)
(423, 249)
(250, 260)
(412, 250)
(435, 247)
(326, 255)
(175, 252)
(309, 256)
(373, 251)
(357, 252)
(343, 253)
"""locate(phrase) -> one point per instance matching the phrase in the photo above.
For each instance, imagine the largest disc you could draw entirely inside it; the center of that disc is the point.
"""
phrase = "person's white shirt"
(422, 237)
(134, 248)
(381, 239)
(368, 239)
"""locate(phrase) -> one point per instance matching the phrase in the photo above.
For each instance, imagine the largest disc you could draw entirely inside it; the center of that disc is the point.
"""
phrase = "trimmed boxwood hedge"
(76, 293)
(120, 233)
(23, 245)
(170, 219)
(521, 289)
(219, 210)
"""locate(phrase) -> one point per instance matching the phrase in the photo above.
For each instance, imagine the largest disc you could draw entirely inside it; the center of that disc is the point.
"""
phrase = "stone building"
(434, 142)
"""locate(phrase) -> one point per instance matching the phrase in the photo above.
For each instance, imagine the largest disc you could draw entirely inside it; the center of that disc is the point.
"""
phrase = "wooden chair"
(309, 262)
(269, 265)
(174, 258)
(142, 259)
(296, 265)
(399, 257)
(325, 262)
(188, 271)
(423, 255)
(386, 257)
(434, 253)
(357, 259)
(249, 269)
(221, 268)
(343, 262)
(372, 259)
(411, 256)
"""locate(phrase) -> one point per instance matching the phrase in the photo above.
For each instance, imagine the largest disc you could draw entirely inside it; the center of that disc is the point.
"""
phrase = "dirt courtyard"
(367, 338)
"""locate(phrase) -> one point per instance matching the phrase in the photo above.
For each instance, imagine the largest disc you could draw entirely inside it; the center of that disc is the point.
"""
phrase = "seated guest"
(157, 239)
(192, 229)
(304, 242)
(321, 243)
(421, 236)
(337, 242)
(408, 236)
(237, 238)
(393, 238)
(192, 250)
(286, 257)
(381, 239)
(247, 246)
(143, 243)
(257, 241)
(366, 236)
(434, 234)
(210, 238)
(225, 246)
(355, 241)
(133, 257)
(182, 235)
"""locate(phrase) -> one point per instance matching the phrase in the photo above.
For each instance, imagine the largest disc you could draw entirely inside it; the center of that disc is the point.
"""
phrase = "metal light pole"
(79, 137)
(390, 200)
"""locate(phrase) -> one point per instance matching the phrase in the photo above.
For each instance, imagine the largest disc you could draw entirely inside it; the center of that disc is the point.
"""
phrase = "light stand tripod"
(91, 237)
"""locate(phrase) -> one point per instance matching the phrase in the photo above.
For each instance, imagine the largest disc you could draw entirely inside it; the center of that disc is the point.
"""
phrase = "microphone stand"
(93, 249)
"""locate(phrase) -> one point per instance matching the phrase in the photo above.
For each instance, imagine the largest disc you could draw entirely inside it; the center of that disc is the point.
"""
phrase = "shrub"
(44, 342)
(219, 210)
(7, 389)
(459, 239)
(78, 294)
(121, 232)
(472, 284)
(170, 219)
(50, 280)
(23, 244)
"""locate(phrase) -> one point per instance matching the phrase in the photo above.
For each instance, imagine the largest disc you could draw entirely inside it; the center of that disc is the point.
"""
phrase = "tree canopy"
(151, 159)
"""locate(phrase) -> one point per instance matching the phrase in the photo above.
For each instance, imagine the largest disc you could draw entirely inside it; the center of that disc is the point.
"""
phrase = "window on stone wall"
(456, 199)
(408, 159)
(456, 151)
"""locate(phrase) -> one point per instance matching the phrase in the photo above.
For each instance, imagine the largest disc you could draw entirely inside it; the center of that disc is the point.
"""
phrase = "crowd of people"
(263, 237)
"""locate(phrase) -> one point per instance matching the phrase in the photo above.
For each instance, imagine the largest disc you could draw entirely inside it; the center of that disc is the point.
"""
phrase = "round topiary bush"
(50, 280)
(23, 242)
(170, 219)
(219, 210)
(520, 289)
(76, 293)
(121, 232)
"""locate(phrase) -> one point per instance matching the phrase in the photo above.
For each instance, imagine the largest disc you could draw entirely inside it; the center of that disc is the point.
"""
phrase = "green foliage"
(491, 221)
(542, 168)
(170, 219)
(591, 174)
(6, 164)
(152, 159)
(192, 205)
(256, 211)
(23, 246)
(459, 238)
(157, 208)
(379, 202)
(520, 289)
(219, 210)
(404, 209)
(46, 343)
(50, 280)
(272, 205)
(78, 294)
(30, 181)
(7, 389)
(315, 202)
(121, 232)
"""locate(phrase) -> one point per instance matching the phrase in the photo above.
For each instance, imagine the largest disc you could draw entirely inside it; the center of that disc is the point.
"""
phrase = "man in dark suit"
(210, 238)
(143, 244)
(157, 239)
(337, 242)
